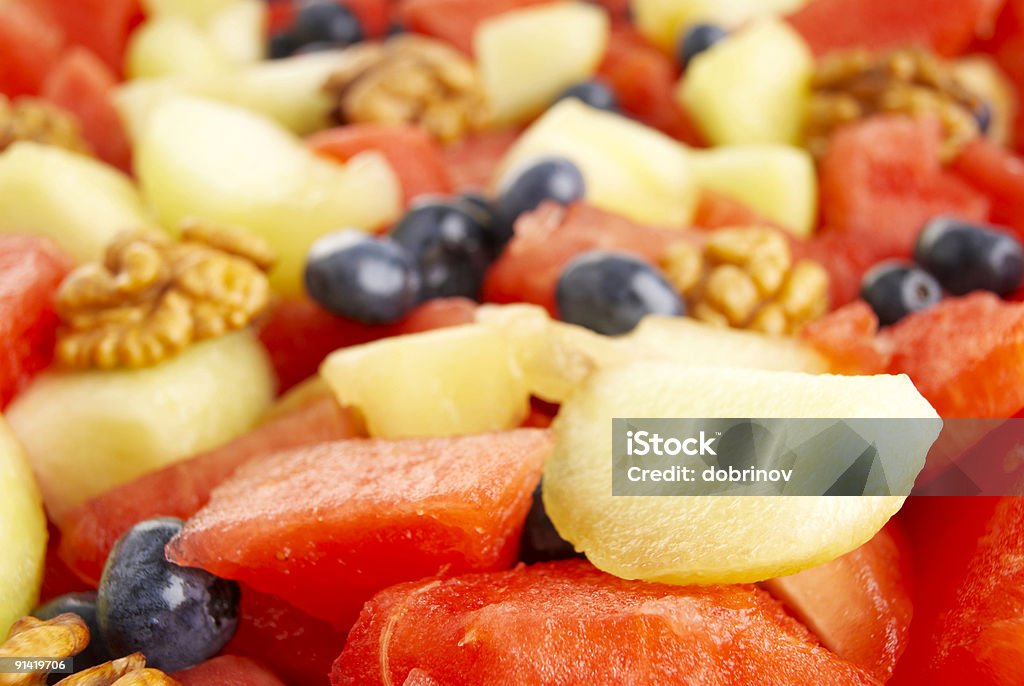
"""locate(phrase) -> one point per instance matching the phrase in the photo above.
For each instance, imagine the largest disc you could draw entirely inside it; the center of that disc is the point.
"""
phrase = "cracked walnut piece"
(37, 121)
(63, 637)
(746, 278)
(151, 297)
(410, 80)
(849, 86)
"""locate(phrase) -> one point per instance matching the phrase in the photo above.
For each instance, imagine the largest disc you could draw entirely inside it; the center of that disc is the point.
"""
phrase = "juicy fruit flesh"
(719, 539)
(22, 532)
(566, 622)
(326, 527)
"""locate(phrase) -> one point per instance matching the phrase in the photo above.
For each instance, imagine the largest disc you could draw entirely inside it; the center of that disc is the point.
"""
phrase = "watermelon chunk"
(90, 531)
(298, 648)
(299, 334)
(414, 156)
(83, 85)
(718, 211)
(946, 27)
(999, 174)
(101, 26)
(847, 338)
(227, 670)
(30, 45)
(568, 623)
(548, 238)
(326, 527)
(473, 161)
(455, 21)
(31, 270)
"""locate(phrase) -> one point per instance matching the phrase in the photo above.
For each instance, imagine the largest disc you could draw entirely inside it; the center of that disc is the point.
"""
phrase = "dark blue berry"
(328, 22)
(611, 292)
(451, 246)
(396, 29)
(595, 93)
(282, 44)
(176, 616)
(540, 541)
(360, 277)
(895, 289)
(983, 116)
(966, 257)
(315, 46)
(554, 179)
(486, 213)
(83, 605)
(696, 39)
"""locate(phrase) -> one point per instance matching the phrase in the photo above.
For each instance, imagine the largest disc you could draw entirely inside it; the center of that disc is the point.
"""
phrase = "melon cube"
(168, 46)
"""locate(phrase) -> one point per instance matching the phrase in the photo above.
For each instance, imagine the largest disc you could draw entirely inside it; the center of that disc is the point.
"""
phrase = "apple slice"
(22, 532)
(172, 46)
(664, 21)
(87, 432)
(75, 201)
(722, 539)
(630, 169)
(780, 182)
(753, 87)
(527, 57)
(201, 158)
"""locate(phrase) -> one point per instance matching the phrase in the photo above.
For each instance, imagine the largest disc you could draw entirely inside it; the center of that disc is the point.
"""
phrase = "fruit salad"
(337, 337)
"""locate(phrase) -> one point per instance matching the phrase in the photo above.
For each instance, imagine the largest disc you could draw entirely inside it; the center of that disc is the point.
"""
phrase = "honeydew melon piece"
(170, 45)
(527, 57)
(779, 181)
(752, 87)
(629, 168)
(201, 158)
(239, 31)
(719, 539)
(22, 532)
(72, 199)
(86, 432)
(663, 21)
(459, 380)
(197, 11)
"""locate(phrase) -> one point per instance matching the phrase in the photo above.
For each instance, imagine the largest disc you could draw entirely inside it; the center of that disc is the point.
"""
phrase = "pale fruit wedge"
(197, 11)
(719, 539)
(78, 202)
(206, 159)
(172, 46)
(753, 87)
(629, 169)
(22, 532)
(459, 380)
(527, 57)
(779, 181)
(87, 432)
(664, 21)
(239, 31)
(983, 77)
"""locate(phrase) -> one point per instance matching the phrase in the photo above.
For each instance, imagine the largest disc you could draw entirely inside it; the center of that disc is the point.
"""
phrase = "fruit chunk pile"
(314, 313)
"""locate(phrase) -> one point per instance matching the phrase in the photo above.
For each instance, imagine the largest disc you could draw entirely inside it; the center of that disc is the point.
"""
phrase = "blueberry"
(696, 39)
(895, 289)
(83, 605)
(282, 44)
(315, 46)
(983, 116)
(396, 29)
(966, 257)
(357, 276)
(611, 292)
(486, 213)
(595, 93)
(326, 21)
(540, 541)
(553, 179)
(451, 245)
(176, 616)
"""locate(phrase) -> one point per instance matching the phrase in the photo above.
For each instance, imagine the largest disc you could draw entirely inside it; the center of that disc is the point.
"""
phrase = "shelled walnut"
(63, 637)
(410, 80)
(849, 86)
(37, 121)
(151, 296)
(746, 278)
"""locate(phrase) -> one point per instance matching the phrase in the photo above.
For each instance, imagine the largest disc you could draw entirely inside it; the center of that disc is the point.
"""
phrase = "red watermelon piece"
(414, 156)
(179, 490)
(299, 334)
(568, 623)
(550, 237)
(326, 527)
(999, 174)
(101, 26)
(473, 161)
(946, 27)
(227, 670)
(847, 338)
(298, 648)
(58, 578)
(718, 211)
(883, 180)
(1007, 48)
(83, 85)
(31, 270)
(30, 46)
(455, 21)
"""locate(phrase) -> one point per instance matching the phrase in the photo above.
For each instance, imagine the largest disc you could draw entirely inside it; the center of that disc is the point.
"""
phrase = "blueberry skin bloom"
(895, 289)
(329, 22)
(610, 292)
(697, 39)
(363, 278)
(966, 257)
(176, 616)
